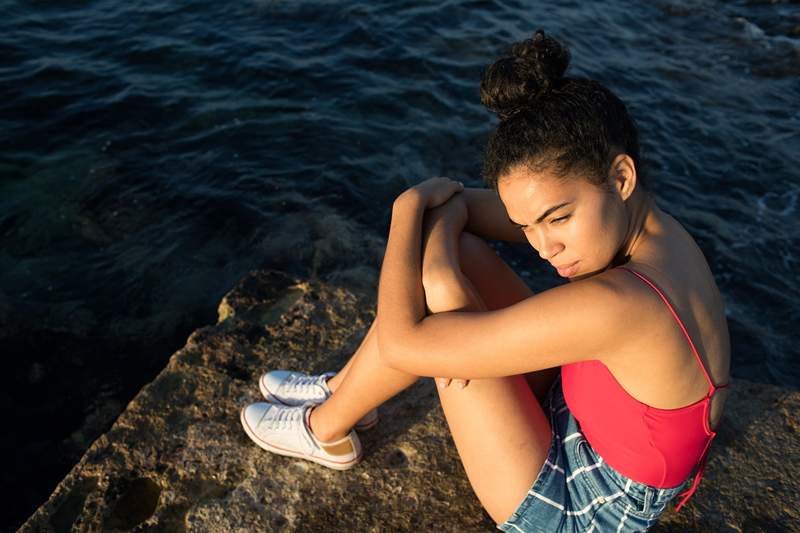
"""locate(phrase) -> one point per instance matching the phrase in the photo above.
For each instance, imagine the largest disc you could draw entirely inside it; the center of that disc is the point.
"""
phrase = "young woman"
(594, 400)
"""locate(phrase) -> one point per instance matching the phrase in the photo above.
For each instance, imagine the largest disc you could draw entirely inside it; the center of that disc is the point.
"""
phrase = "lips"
(567, 270)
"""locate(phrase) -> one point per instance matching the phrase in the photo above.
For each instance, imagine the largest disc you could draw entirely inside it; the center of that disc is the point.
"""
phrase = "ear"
(622, 176)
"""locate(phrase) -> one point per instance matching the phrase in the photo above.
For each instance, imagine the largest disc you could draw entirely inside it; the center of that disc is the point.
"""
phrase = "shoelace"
(282, 418)
(307, 386)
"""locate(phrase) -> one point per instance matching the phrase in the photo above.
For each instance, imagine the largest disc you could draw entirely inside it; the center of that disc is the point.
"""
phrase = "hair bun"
(516, 81)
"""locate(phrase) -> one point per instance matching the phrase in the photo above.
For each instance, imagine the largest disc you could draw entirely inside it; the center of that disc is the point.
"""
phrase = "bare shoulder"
(660, 367)
(606, 307)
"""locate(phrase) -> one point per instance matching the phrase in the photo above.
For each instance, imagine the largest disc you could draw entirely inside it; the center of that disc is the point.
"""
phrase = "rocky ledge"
(177, 460)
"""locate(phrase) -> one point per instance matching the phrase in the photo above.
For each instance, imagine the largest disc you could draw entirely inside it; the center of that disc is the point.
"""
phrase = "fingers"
(443, 383)
(438, 190)
(442, 180)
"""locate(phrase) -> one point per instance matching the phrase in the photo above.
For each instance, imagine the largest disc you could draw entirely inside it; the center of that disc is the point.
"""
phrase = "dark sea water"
(151, 153)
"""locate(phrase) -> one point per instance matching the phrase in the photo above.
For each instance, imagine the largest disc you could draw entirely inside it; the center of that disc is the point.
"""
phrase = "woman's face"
(574, 225)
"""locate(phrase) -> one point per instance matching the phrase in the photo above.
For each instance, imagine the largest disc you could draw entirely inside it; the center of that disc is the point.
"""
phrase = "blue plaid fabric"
(577, 491)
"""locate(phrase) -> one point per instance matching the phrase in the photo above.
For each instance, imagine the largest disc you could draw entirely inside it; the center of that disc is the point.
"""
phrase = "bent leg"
(499, 429)
(492, 285)
(502, 437)
(367, 383)
(499, 286)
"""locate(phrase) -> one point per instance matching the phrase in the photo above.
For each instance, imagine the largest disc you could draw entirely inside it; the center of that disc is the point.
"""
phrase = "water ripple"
(153, 153)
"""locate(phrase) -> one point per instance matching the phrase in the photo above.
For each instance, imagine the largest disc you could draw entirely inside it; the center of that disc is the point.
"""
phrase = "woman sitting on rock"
(590, 405)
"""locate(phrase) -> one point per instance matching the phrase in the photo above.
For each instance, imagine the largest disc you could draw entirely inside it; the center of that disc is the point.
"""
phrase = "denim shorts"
(577, 491)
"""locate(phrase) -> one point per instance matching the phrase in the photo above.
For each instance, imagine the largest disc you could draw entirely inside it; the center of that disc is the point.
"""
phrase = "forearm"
(401, 299)
(488, 218)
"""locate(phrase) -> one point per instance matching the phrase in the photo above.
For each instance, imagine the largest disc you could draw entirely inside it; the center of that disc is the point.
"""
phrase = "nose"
(547, 252)
(546, 246)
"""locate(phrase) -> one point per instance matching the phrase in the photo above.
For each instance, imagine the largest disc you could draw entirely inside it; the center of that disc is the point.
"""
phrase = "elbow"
(390, 351)
(387, 351)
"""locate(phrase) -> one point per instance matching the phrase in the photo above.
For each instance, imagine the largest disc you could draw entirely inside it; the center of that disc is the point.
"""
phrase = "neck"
(639, 208)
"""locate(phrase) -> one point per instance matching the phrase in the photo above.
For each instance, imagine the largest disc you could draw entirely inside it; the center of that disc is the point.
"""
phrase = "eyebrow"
(549, 211)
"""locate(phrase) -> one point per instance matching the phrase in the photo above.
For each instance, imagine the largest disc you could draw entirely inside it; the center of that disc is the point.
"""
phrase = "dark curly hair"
(572, 126)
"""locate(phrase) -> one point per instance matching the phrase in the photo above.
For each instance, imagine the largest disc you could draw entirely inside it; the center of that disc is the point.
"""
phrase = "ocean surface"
(152, 153)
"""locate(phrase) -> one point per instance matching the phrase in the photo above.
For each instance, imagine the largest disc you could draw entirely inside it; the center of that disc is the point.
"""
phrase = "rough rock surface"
(177, 459)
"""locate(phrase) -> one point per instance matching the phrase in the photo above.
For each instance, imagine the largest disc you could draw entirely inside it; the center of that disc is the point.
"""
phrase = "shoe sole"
(368, 425)
(272, 399)
(289, 453)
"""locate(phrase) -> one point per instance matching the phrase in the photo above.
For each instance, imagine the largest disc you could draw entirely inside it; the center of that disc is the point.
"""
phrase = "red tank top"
(658, 447)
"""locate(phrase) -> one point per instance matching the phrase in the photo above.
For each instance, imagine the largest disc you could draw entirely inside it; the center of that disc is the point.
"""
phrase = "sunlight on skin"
(591, 228)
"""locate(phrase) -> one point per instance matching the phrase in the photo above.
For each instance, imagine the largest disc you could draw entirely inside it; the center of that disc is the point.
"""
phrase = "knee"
(439, 271)
(434, 271)
(447, 287)
(441, 286)
(441, 275)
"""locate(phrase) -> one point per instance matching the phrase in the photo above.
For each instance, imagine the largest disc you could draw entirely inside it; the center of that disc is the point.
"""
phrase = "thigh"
(502, 437)
(497, 283)
(499, 286)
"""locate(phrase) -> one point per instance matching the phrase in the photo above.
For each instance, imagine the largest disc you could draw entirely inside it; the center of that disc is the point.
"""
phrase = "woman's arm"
(401, 298)
(441, 265)
(586, 319)
(487, 216)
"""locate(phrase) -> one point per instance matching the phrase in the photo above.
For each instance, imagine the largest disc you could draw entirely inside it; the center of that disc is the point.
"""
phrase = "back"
(650, 410)
(659, 368)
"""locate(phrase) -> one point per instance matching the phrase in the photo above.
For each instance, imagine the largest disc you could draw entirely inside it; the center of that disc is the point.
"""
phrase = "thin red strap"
(697, 477)
(704, 457)
(689, 493)
(680, 323)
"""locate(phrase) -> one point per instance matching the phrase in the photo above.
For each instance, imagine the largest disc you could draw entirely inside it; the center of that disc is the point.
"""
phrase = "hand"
(436, 191)
(453, 213)
(444, 382)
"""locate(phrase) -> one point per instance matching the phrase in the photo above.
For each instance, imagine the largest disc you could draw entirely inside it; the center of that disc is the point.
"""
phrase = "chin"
(583, 274)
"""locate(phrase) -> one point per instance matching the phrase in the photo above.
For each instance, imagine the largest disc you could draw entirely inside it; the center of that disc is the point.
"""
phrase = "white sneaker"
(285, 430)
(295, 388)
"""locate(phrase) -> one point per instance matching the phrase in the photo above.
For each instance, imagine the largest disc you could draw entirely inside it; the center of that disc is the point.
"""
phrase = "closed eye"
(560, 219)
